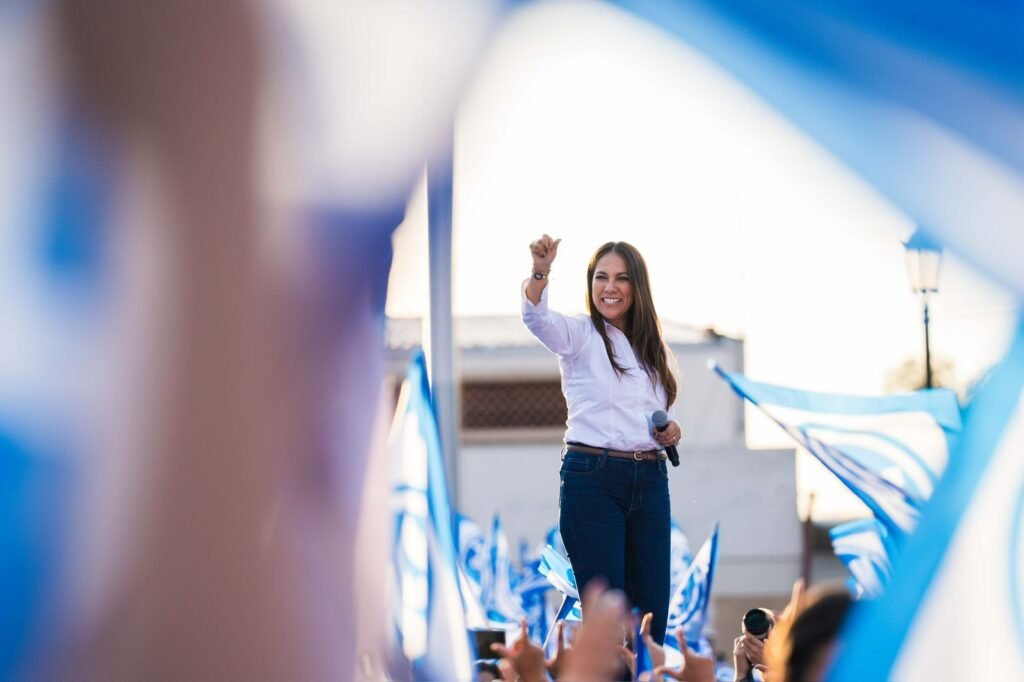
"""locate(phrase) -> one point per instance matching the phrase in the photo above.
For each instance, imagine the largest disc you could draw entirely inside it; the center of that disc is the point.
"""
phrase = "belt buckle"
(637, 457)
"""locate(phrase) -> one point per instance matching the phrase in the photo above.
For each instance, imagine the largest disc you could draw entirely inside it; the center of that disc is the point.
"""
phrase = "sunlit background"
(589, 125)
(210, 464)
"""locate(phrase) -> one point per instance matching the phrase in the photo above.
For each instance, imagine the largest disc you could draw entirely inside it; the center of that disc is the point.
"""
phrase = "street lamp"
(924, 258)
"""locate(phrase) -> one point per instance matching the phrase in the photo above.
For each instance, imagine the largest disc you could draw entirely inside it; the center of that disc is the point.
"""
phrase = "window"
(512, 405)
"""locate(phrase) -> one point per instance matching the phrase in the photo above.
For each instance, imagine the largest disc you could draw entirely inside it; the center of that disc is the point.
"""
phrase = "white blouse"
(605, 409)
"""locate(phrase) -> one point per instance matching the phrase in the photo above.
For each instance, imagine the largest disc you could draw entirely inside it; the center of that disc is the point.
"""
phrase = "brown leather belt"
(639, 455)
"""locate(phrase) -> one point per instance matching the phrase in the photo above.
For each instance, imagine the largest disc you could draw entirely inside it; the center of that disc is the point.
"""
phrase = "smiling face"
(611, 289)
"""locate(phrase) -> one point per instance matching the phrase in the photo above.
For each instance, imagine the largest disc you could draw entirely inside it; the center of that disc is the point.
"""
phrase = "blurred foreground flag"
(431, 639)
(922, 100)
(954, 609)
(889, 450)
(688, 608)
(863, 546)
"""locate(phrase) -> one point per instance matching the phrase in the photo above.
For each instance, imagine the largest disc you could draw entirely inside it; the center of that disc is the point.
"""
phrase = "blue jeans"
(615, 522)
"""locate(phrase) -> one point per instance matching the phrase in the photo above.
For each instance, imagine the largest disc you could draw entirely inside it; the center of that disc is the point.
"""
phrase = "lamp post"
(924, 258)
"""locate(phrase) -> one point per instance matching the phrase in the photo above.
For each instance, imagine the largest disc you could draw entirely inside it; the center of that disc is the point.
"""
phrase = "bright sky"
(590, 125)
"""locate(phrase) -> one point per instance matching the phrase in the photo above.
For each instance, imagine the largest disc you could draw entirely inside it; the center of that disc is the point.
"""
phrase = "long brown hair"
(643, 329)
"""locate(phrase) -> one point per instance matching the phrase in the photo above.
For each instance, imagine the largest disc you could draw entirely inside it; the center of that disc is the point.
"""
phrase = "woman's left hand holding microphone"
(670, 436)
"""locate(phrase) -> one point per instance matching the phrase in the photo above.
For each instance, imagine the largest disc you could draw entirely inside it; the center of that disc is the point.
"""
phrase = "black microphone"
(660, 420)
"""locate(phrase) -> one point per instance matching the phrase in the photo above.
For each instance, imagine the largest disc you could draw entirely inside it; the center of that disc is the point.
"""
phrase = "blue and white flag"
(432, 641)
(532, 587)
(470, 541)
(889, 451)
(557, 569)
(529, 578)
(476, 615)
(689, 604)
(954, 609)
(681, 557)
(532, 590)
(500, 602)
(863, 547)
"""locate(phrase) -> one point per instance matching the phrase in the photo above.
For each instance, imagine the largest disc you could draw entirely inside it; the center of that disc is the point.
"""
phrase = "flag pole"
(440, 337)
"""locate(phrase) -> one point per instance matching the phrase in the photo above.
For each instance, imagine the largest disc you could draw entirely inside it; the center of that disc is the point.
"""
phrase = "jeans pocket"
(578, 464)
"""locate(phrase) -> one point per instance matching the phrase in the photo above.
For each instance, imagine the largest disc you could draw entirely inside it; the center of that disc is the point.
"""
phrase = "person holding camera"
(748, 651)
(616, 373)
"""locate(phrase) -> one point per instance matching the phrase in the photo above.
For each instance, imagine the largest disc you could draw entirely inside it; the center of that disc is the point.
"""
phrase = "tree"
(910, 376)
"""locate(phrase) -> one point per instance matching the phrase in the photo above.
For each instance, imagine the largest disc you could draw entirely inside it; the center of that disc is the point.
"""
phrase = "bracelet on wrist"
(541, 275)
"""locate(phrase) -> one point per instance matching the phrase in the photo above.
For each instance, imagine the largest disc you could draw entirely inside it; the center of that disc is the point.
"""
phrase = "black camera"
(758, 622)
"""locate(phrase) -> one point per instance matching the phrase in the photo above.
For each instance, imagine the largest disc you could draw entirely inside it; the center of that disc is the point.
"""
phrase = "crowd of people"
(798, 645)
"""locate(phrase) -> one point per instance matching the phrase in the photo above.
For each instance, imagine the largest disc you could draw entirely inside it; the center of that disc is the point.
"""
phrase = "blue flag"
(954, 608)
(689, 604)
(889, 451)
(864, 548)
(431, 637)
(532, 587)
(557, 569)
(681, 557)
(503, 607)
(471, 544)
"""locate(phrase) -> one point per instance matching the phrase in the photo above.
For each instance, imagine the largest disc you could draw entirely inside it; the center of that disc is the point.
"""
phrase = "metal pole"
(805, 557)
(441, 348)
(927, 348)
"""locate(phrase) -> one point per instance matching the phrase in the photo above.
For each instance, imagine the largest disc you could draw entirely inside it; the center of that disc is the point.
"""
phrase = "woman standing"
(613, 505)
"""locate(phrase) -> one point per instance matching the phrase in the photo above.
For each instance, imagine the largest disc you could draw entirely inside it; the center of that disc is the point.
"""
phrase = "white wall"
(518, 480)
(752, 494)
(710, 413)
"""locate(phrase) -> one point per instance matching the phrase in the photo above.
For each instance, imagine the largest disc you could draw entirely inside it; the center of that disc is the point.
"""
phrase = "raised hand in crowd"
(525, 658)
(797, 602)
(594, 656)
(555, 663)
(656, 651)
(777, 648)
(695, 668)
